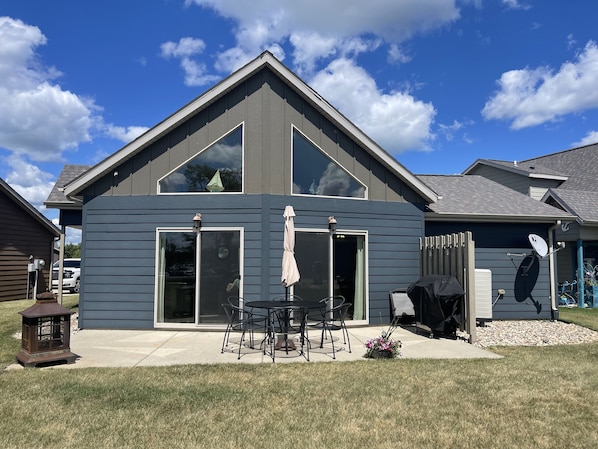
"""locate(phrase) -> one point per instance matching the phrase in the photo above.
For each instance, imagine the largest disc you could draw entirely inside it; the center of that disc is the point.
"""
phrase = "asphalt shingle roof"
(579, 164)
(477, 195)
(68, 173)
(530, 167)
(581, 203)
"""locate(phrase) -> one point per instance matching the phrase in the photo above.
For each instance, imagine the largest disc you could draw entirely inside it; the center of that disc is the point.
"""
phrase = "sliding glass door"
(333, 265)
(195, 275)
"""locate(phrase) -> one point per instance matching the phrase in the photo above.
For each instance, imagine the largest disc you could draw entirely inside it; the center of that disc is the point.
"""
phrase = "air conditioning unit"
(483, 294)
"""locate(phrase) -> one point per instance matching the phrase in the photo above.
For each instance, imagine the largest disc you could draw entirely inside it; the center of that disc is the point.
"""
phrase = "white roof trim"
(220, 89)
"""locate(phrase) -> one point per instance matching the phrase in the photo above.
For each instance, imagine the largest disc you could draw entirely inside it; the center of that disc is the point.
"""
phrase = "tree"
(72, 251)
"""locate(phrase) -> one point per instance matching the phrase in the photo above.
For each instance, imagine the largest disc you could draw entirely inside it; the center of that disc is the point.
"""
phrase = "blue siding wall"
(119, 235)
(493, 242)
(504, 271)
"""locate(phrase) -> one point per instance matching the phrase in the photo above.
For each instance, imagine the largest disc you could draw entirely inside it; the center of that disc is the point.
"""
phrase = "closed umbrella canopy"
(290, 272)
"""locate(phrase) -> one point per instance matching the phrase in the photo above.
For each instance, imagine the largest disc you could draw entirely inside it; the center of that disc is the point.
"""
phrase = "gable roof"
(530, 169)
(575, 167)
(576, 202)
(476, 198)
(28, 208)
(578, 163)
(268, 60)
(57, 197)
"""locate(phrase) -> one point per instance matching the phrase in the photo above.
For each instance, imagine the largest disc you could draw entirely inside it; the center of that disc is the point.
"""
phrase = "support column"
(580, 284)
(61, 263)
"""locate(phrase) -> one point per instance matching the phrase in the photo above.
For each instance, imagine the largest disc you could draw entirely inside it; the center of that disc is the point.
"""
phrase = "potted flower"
(384, 346)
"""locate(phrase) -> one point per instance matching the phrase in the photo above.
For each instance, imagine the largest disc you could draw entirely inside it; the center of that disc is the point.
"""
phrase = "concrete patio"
(131, 348)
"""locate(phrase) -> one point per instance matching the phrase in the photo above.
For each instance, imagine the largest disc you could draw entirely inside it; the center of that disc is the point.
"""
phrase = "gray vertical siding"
(267, 107)
(117, 290)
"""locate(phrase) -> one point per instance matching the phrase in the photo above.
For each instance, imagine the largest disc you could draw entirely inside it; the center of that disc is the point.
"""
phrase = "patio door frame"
(157, 294)
(331, 256)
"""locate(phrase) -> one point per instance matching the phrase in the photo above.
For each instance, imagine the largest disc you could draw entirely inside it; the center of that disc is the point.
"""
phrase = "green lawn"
(540, 397)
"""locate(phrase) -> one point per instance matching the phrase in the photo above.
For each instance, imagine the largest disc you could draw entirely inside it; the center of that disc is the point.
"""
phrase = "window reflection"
(314, 173)
(217, 168)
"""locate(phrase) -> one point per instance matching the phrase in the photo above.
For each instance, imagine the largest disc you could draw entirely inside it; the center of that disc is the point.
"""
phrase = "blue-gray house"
(256, 142)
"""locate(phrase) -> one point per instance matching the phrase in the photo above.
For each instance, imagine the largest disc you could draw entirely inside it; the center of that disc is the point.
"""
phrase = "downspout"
(551, 264)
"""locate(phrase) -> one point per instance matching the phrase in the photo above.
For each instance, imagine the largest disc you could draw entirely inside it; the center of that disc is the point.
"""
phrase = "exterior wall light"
(332, 224)
(197, 222)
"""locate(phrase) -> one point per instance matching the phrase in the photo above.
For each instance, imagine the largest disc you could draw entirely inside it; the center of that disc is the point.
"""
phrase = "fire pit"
(45, 333)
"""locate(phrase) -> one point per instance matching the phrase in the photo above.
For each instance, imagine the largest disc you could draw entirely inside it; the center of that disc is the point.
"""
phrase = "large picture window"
(217, 168)
(314, 173)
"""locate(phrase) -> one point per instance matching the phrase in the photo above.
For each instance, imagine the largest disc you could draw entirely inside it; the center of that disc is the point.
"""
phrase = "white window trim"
(242, 124)
(187, 326)
(357, 180)
(365, 234)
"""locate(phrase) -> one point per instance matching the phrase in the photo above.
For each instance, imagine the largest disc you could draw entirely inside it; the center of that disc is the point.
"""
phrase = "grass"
(540, 397)
(584, 317)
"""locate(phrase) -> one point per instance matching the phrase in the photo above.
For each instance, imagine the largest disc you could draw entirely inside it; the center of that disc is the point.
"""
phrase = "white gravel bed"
(532, 333)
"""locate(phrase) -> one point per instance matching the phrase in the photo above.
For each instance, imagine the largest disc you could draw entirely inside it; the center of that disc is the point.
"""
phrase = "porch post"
(580, 284)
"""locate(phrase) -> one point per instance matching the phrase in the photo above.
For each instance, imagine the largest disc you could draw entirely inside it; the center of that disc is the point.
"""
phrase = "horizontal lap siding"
(22, 236)
(118, 263)
(393, 231)
(117, 290)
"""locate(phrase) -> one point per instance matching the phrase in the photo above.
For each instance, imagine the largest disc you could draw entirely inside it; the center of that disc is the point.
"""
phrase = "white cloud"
(312, 26)
(37, 117)
(125, 134)
(515, 4)
(332, 34)
(29, 181)
(588, 139)
(184, 50)
(395, 120)
(397, 55)
(449, 131)
(187, 46)
(529, 97)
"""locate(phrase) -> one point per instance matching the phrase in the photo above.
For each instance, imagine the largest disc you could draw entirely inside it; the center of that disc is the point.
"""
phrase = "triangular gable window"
(217, 168)
(314, 173)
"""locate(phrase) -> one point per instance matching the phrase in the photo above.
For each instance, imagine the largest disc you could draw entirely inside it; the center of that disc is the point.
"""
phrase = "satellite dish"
(539, 244)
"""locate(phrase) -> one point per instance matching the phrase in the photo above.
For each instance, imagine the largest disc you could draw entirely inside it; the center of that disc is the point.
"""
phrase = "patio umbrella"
(290, 272)
(215, 184)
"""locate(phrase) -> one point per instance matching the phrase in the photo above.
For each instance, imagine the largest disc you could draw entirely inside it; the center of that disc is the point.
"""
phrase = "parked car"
(71, 276)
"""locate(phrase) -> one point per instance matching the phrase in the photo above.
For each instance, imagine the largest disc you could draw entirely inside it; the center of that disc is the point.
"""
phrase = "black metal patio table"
(286, 307)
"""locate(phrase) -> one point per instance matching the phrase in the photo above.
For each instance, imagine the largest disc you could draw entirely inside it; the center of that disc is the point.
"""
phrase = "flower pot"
(381, 355)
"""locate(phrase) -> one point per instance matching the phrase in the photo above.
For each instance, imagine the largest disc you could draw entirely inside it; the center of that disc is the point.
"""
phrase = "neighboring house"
(566, 180)
(500, 220)
(256, 142)
(26, 234)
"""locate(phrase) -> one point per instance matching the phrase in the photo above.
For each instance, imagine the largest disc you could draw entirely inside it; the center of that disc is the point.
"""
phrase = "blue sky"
(437, 83)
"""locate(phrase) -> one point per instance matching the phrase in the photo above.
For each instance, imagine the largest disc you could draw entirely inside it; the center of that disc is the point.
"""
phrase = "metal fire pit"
(45, 333)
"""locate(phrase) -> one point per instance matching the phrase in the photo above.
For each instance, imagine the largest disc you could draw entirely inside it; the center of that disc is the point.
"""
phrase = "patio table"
(286, 306)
